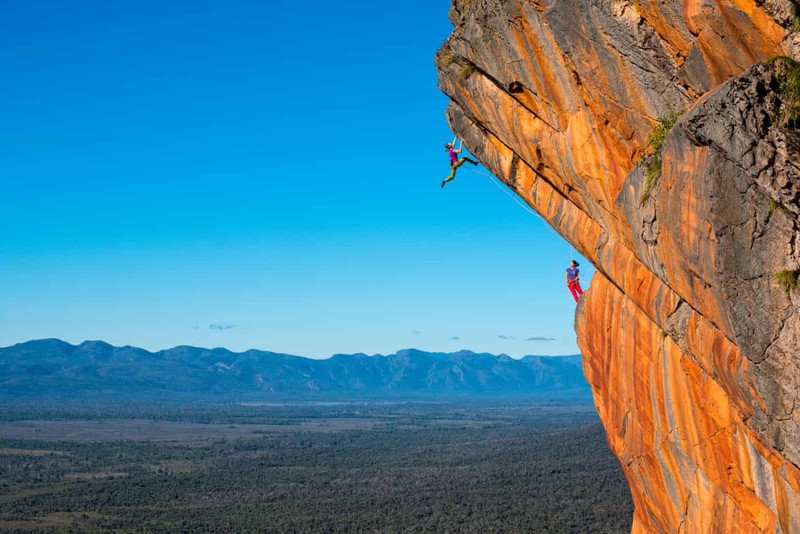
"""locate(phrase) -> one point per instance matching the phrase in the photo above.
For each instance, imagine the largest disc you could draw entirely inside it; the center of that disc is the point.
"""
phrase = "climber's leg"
(453, 168)
(574, 288)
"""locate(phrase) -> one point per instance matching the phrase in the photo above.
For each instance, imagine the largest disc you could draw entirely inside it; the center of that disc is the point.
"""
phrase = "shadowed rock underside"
(690, 345)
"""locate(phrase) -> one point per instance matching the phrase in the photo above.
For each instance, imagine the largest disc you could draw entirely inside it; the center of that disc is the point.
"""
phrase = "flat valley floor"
(335, 467)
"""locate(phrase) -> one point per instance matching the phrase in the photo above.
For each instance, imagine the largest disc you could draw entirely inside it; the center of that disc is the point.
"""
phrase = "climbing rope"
(507, 191)
(526, 207)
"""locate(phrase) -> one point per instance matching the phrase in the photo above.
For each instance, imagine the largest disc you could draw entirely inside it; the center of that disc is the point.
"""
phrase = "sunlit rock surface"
(691, 347)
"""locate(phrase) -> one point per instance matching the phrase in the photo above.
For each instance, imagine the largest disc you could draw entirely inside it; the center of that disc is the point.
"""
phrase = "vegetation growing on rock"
(653, 162)
(788, 279)
(787, 75)
(775, 205)
(467, 71)
(446, 58)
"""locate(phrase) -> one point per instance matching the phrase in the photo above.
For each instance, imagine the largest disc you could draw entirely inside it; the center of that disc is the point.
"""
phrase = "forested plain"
(404, 467)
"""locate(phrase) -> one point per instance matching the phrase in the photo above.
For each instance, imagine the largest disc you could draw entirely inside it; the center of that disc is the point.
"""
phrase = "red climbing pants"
(575, 288)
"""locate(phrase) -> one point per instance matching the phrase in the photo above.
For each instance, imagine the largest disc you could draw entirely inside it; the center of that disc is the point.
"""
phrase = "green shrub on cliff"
(787, 74)
(653, 162)
(446, 58)
(775, 205)
(788, 279)
(467, 71)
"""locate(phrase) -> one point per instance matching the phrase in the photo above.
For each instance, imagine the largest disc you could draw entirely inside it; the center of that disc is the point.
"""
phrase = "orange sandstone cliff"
(690, 344)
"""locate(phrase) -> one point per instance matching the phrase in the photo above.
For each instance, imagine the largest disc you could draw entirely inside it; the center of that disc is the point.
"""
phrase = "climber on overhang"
(455, 161)
(574, 280)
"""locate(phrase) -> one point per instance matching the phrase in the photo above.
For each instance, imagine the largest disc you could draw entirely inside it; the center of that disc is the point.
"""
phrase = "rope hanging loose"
(507, 191)
(523, 205)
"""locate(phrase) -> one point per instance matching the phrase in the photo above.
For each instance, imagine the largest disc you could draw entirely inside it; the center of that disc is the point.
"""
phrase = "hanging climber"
(574, 280)
(455, 161)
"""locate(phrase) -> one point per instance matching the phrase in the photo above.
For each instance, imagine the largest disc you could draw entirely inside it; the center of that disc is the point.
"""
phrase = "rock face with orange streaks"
(690, 344)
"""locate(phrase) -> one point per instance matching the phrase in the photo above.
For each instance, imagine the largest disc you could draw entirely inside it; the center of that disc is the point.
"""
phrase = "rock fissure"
(502, 87)
(765, 354)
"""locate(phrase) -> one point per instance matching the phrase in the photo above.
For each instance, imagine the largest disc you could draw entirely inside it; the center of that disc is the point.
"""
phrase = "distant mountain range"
(51, 368)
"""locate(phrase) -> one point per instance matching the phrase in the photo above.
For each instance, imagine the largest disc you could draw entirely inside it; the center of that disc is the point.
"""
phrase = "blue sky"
(254, 175)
